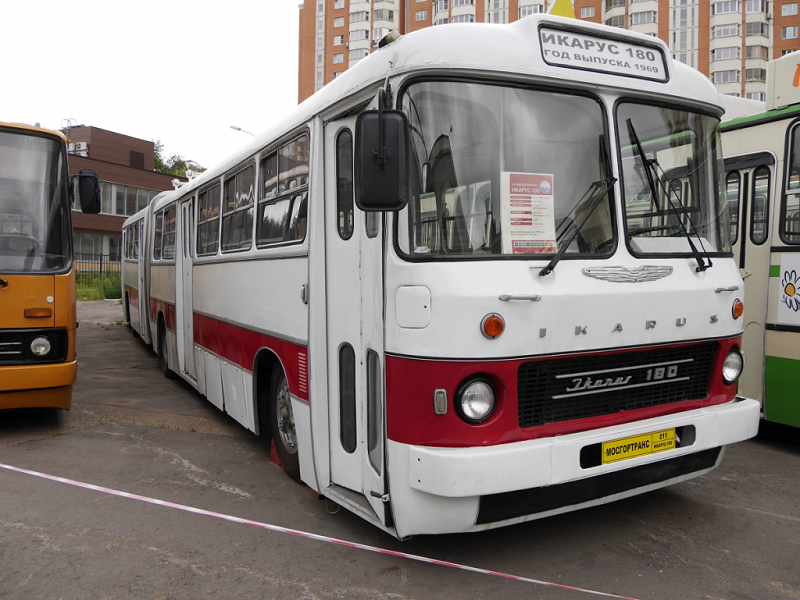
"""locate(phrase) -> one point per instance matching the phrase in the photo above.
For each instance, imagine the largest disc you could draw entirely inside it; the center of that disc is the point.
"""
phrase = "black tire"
(282, 424)
(162, 352)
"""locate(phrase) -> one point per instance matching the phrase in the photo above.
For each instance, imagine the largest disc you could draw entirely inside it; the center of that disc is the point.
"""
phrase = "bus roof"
(511, 52)
(33, 128)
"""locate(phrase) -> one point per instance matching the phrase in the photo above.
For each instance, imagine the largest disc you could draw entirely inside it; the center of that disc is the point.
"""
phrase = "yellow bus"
(37, 277)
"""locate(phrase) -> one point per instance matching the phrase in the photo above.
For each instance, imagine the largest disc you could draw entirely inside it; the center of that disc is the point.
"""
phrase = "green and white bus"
(762, 182)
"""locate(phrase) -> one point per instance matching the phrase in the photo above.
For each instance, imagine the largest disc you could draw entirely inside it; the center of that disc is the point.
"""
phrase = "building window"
(338, 59)
(338, 22)
(362, 15)
(789, 33)
(587, 12)
(358, 53)
(755, 75)
(441, 21)
(337, 4)
(785, 52)
(789, 9)
(359, 34)
(647, 16)
(729, 30)
(725, 76)
(614, 4)
(722, 8)
(336, 74)
(384, 14)
(463, 19)
(380, 32)
(761, 52)
(729, 53)
(616, 21)
(463, 2)
(442, 5)
(757, 28)
(422, 15)
(755, 6)
(533, 9)
(760, 96)
(338, 40)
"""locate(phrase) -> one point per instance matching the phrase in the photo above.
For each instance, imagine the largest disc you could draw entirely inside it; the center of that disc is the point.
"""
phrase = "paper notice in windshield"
(527, 216)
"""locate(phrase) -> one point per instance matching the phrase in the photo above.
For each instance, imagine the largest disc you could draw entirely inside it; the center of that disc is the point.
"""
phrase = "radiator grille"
(10, 347)
(563, 389)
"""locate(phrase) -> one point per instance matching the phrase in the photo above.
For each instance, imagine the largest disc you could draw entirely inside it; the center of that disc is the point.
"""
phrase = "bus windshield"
(34, 235)
(673, 197)
(504, 171)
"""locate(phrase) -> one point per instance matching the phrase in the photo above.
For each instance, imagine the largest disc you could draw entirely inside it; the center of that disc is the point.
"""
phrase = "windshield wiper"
(602, 187)
(648, 164)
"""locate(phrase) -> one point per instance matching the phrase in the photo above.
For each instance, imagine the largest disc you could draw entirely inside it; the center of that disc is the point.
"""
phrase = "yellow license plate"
(638, 445)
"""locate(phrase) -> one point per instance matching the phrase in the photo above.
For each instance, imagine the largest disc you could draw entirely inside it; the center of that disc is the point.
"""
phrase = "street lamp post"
(235, 128)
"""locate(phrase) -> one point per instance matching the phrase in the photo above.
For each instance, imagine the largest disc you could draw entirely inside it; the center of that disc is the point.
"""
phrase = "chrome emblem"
(626, 275)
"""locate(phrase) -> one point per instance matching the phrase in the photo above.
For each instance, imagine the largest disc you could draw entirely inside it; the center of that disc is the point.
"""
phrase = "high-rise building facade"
(730, 41)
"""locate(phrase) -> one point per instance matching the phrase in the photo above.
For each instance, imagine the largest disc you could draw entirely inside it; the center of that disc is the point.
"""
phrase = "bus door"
(749, 185)
(141, 244)
(354, 298)
(184, 312)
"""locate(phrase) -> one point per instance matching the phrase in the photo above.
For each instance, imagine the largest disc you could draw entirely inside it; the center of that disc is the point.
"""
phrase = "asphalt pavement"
(733, 534)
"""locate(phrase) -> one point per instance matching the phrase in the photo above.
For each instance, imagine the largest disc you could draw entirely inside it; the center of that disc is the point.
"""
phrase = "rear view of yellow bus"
(37, 279)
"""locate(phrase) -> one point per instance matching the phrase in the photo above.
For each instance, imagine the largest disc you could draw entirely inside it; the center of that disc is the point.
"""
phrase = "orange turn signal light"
(492, 325)
(738, 308)
(37, 313)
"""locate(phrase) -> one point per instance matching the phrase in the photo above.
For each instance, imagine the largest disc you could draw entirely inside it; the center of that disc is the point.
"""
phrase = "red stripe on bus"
(133, 296)
(241, 346)
(410, 384)
(159, 306)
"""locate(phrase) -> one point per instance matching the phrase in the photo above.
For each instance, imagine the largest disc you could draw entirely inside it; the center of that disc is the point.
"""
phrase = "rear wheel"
(284, 434)
(162, 350)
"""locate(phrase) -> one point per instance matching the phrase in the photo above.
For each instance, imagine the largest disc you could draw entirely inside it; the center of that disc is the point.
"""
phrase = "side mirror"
(381, 160)
(87, 184)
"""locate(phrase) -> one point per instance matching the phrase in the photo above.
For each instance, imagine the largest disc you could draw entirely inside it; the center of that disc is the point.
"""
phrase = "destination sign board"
(592, 53)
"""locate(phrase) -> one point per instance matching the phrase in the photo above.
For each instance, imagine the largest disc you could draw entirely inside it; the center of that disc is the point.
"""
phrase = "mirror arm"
(379, 155)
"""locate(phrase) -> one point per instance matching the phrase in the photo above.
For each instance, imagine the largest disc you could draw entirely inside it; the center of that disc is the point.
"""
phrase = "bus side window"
(791, 199)
(347, 398)
(759, 215)
(283, 208)
(237, 210)
(168, 249)
(732, 182)
(157, 236)
(208, 221)
(374, 411)
(344, 184)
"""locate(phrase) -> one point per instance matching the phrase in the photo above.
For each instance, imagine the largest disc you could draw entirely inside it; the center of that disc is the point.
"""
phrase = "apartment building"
(730, 41)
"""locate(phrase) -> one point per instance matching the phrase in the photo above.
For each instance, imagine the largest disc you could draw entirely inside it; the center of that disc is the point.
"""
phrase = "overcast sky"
(179, 71)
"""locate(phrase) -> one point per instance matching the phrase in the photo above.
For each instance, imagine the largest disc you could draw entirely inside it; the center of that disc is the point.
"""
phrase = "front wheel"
(284, 434)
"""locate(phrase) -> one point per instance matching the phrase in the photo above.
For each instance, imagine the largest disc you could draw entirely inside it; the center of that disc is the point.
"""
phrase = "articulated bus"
(762, 183)
(37, 276)
(483, 277)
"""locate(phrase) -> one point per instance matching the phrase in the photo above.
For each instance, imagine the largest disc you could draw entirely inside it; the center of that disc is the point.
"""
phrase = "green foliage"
(96, 286)
(174, 165)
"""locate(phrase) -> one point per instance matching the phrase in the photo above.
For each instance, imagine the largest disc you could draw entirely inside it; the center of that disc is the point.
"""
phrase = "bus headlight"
(475, 400)
(40, 346)
(732, 367)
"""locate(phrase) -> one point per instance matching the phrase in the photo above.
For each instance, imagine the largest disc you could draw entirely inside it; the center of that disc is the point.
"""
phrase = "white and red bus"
(485, 276)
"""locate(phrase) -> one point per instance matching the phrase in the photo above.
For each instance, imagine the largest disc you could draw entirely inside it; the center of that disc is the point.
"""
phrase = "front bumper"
(442, 488)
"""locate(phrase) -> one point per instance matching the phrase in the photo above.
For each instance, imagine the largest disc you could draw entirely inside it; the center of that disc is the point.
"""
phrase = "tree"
(174, 165)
